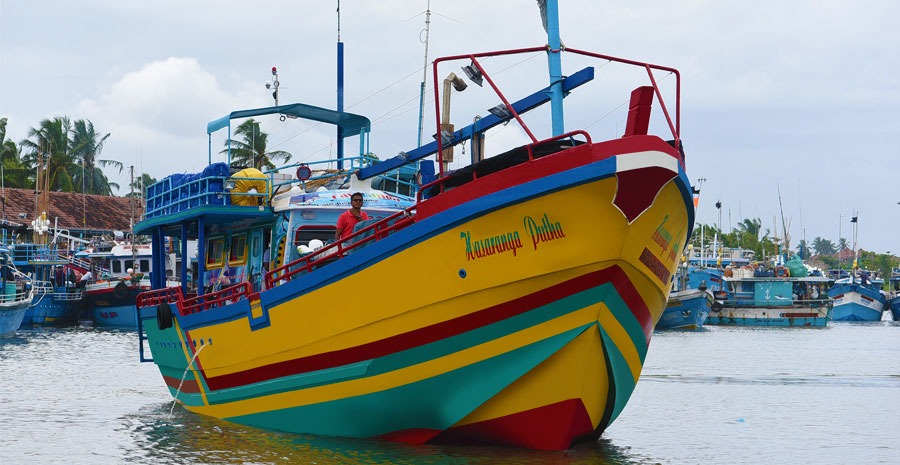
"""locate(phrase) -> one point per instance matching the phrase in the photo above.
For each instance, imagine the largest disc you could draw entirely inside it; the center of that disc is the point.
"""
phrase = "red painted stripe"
(189, 386)
(549, 164)
(410, 436)
(443, 330)
(551, 427)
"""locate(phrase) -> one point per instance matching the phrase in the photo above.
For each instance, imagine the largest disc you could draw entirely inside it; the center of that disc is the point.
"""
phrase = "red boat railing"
(358, 239)
(529, 149)
(194, 304)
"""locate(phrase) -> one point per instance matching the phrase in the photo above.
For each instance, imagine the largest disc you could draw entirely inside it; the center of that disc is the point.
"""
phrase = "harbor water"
(719, 395)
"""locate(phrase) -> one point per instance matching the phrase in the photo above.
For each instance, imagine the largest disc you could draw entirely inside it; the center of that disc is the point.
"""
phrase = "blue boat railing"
(216, 186)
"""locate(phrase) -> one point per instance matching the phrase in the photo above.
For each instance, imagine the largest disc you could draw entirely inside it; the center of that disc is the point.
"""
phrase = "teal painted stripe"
(621, 377)
(622, 313)
(435, 403)
(605, 292)
(412, 356)
(290, 383)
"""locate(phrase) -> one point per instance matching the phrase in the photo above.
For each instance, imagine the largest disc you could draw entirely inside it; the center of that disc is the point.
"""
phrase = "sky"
(790, 111)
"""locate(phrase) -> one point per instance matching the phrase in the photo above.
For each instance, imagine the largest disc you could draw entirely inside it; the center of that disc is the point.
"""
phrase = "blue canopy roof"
(350, 124)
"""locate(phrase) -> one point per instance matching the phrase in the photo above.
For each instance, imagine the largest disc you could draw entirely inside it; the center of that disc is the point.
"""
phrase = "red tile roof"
(72, 211)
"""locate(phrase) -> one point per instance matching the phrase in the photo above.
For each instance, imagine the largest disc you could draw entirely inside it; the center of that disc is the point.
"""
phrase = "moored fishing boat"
(772, 298)
(57, 296)
(16, 295)
(691, 298)
(893, 302)
(449, 317)
(686, 309)
(120, 270)
(858, 297)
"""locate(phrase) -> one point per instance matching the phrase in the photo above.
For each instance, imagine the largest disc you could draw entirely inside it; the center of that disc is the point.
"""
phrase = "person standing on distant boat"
(349, 218)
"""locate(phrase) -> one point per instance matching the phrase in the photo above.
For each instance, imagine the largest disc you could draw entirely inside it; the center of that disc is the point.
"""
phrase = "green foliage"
(251, 152)
(67, 154)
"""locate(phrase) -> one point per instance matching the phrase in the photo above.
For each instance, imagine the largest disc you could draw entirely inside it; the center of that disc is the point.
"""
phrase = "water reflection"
(184, 437)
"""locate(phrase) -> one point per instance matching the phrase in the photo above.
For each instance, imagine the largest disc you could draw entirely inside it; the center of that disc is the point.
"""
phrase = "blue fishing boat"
(449, 316)
(687, 309)
(119, 271)
(691, 298)
(16, 295)
(772, 297)
(894, 301)
(858, 297)
(56, 282)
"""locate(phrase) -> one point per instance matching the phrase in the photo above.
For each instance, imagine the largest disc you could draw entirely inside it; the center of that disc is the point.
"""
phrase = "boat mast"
(424, 74)
(550, 17)
(340, 89)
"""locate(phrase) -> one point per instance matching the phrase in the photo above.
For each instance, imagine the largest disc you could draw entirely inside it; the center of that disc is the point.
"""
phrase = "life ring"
(247, 182)
(121, 290)
(163, 316)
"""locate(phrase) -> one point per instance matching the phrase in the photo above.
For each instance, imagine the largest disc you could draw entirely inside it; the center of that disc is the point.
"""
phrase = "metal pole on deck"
(550, 11)
(340, 89)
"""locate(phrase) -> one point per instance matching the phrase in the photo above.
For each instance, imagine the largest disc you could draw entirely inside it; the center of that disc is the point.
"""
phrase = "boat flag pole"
(427, 32)
(550, 17)
(340, 89)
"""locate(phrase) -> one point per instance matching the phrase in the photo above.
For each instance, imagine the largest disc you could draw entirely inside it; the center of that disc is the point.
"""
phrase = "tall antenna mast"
(340, 89)
(424, 73)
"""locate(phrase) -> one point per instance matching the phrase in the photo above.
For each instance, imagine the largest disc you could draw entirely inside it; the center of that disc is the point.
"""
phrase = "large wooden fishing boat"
(511, 301)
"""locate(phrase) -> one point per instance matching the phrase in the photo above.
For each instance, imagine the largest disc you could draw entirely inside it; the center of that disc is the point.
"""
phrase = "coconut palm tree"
(751, 226)
(86, 145)
(14, 173)
(823, 246)
(140, 184)
(49, 146)
(251, 151)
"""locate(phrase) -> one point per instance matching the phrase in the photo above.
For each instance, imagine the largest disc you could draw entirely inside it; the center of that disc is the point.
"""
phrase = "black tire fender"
(163, 316)
(121, 290)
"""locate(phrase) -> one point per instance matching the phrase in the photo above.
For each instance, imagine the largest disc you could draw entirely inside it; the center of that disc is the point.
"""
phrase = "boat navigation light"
(473, 73)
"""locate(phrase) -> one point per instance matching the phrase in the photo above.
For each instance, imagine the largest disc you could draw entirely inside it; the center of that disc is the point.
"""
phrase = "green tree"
(251, 151)
(803, 249)
(48, 145)
(751, 226)
(140, 185)
(15, 174)
(823, 246)
(86, 145)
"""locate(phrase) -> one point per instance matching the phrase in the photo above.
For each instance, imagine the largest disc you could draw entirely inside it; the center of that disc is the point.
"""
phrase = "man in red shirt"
(349, 218)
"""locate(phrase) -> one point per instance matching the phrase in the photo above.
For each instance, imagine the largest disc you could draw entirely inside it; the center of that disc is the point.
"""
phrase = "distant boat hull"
(53, 309)
(686, 309)
(111, 303)
(856, 302)
(11, 316)
(895, 307)
(779, 316)
(772, 301)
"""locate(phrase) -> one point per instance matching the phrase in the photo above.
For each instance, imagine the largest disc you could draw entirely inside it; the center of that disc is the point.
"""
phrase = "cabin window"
(117, 267)
(304, 234)
(145, 266)
(237, 254)
(215, 252)
(256, 245)
(129, 264)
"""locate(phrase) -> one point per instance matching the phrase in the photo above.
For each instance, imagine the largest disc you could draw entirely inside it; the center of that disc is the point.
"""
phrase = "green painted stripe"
(621, 377)
(435, 403)
(622, 313)
(605, 292)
